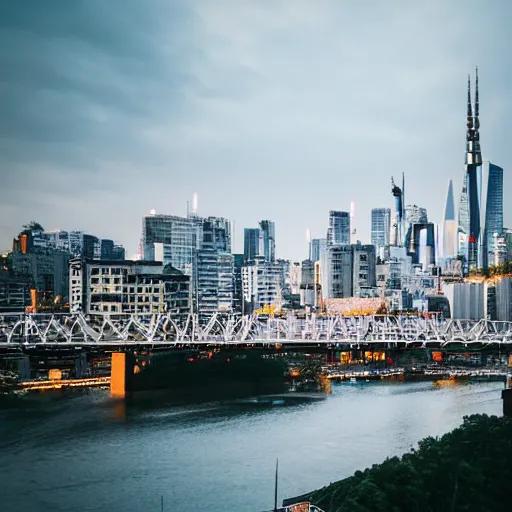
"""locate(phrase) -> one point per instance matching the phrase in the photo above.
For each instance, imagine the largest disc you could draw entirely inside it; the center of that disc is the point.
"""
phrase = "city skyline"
(102, 126)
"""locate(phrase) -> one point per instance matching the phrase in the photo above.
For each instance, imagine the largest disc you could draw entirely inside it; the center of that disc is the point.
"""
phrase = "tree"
(31, 226)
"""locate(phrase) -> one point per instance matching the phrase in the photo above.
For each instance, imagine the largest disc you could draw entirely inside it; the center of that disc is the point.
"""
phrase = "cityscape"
(186, 264)
(255, 256)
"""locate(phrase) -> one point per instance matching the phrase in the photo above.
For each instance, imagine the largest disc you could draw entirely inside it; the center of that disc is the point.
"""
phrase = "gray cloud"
(278, 110)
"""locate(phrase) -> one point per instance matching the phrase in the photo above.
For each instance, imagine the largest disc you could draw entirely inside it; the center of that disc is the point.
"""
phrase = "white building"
(468, 301)
(261, 284)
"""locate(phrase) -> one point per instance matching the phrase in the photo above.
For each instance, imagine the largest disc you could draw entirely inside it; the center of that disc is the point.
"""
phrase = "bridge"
(79, 330)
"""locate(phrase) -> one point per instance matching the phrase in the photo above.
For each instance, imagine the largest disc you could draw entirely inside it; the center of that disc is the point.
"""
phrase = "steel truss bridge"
(221, 330)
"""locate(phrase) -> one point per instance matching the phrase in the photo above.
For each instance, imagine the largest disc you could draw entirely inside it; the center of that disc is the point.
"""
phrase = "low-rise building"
(128, 287)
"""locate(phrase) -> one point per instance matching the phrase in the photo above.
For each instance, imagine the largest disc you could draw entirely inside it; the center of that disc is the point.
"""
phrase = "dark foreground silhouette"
(468, 469)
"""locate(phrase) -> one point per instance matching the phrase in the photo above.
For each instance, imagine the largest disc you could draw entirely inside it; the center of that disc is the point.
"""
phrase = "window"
(363, 257)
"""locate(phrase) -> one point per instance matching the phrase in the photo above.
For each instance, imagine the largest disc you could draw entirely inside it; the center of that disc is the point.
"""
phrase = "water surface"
(82, 452)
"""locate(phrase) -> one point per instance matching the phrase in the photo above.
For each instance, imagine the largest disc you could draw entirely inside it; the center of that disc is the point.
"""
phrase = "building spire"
(476, 124)
(470, 109)
(477, 104)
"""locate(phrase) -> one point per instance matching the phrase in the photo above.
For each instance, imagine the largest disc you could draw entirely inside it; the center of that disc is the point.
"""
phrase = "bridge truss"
(385, 331)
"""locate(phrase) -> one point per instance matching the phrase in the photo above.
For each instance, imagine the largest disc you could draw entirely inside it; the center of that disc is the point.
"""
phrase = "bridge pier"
(121, 374)
(81, 366)
(24, 368)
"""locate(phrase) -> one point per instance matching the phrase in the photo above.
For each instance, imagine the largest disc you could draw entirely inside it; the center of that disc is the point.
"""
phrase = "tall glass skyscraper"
(491, 211)
(339, 228)
(381, 225)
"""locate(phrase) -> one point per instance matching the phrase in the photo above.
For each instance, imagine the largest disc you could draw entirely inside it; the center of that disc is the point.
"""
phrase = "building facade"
(491, 211)
(128, 287)
(181, 235)
(450, 249)
(268, 235)
(261, 284)
(380, 228)
(337, 272)
(317, 246)
(364, 282)
(338, 232)
(253, 244)
(307, 283)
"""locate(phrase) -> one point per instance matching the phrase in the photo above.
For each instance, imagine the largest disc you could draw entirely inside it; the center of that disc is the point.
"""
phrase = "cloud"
(268, 109)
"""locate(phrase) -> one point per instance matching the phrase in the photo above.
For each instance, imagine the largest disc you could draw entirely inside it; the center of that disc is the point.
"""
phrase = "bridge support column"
(121, 374)
(81, 365)
(24, 368)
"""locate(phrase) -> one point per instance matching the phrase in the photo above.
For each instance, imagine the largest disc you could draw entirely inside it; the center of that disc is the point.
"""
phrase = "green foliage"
(465, 470)
(31, 226)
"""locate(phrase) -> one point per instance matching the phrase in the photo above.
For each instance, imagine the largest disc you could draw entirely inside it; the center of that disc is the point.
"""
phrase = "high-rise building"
(215, 282)
(469, 212)
(181, 235)
(253, 244)
(449, 226)
(381, 225)
(268, 234)
(339, 228)
(215, 268)
(491, 212)
(317, 246)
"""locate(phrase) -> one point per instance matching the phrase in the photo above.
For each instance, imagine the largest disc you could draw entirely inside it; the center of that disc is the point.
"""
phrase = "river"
(81, 452)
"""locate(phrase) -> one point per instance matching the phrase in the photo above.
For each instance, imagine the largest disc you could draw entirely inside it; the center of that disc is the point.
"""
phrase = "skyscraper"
(252, 243)
(469, 213)
(268, 233)
(381, 224)
(491, 211)
(449, 226)
(339, 228)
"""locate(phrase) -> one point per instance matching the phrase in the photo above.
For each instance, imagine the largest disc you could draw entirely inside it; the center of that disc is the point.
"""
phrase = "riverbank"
(467, 469)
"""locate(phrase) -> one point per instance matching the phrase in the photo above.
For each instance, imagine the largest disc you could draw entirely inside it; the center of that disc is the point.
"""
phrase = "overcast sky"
(278, 110)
